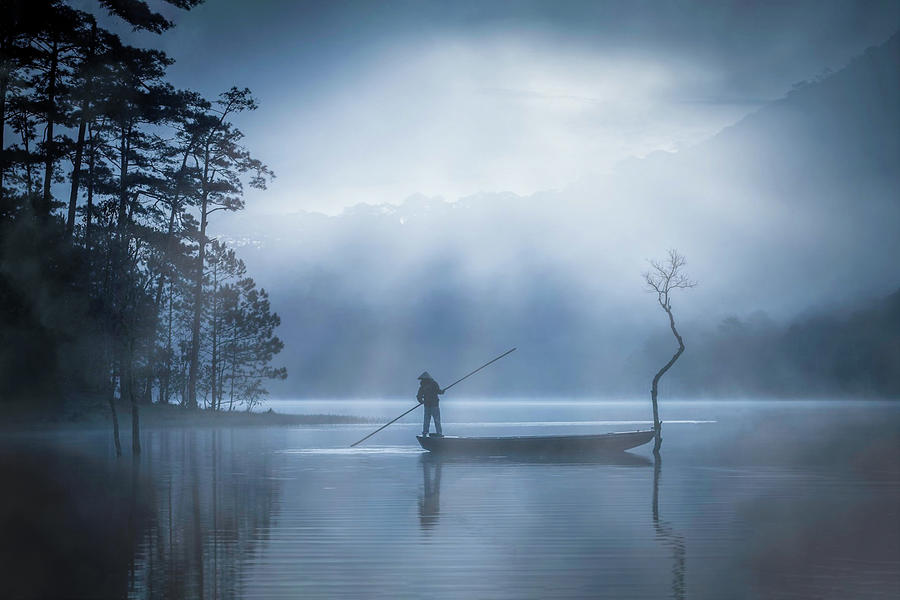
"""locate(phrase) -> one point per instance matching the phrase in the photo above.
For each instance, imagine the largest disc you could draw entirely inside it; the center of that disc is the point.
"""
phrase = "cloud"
(371, 101)
(455, 117)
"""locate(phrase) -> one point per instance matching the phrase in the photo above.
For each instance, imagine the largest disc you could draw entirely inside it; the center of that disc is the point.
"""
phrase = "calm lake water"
(750, 500)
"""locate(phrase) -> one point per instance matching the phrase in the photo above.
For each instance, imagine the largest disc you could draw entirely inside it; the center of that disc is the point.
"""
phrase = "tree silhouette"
(663, 278)
(221, 162)
(105, 305)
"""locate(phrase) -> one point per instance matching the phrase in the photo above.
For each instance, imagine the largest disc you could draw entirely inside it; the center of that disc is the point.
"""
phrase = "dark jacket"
(428, 391)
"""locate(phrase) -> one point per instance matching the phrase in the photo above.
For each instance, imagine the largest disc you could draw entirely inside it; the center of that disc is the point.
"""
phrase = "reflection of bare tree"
(430, 501)
(669, 537)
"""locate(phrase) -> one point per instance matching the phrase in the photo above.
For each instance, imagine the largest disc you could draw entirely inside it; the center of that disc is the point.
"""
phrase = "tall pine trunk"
(123, 182)
(231, 391)
(89, 209)
(166, 376)
(43, 209)
(170, 229)
(214, 342)
(168, 244)
(4, 86)
(79, 144)
(198, 305)
(76, 176)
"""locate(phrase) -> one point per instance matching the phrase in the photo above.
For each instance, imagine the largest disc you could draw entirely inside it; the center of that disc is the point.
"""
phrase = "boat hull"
(550, 444)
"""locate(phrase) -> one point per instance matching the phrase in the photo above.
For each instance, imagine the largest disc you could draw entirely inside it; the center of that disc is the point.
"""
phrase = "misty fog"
(787, 215)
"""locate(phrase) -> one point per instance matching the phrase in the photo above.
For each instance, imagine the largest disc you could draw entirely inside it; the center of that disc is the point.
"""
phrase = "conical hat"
(425, 375)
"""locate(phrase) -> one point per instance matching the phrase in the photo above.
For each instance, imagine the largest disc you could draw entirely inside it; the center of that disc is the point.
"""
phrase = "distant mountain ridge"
(814, 112)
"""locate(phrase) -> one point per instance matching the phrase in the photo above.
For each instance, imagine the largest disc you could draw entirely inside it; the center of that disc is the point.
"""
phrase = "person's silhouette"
(428, 395)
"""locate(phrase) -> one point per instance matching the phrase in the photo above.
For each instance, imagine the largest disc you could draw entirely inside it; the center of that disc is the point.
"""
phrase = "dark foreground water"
(750, 500)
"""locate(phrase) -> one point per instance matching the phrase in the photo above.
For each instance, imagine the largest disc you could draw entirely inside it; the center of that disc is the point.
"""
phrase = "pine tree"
(222, 163)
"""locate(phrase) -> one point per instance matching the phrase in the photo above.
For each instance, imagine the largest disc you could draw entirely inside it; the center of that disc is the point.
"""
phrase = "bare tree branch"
(662, 279)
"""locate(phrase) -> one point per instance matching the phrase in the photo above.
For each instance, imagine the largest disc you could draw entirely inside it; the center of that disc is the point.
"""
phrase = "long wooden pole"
(392, 421)
(479, 368)
(385, 425)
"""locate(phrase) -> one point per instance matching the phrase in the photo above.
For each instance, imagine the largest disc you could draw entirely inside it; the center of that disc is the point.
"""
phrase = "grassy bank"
(93, 412)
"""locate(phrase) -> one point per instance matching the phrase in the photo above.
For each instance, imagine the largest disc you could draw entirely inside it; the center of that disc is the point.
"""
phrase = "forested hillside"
(112, 182)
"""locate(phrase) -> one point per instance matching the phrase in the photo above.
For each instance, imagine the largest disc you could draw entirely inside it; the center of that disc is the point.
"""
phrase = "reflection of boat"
(545, 444)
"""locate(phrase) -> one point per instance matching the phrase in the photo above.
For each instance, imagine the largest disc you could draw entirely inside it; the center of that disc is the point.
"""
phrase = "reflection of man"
(428, 395)
(430, 502)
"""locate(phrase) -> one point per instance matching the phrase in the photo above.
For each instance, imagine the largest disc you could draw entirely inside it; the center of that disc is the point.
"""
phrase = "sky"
(376, 101)
(524, 116)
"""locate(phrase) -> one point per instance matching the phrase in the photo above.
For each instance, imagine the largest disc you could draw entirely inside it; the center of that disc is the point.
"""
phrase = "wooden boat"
(544, 444)
(603, 458)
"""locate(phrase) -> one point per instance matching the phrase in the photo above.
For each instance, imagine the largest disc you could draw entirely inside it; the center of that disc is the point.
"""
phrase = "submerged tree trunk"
(115, 419)
(135, 426)
(135, 413)
(657, 425)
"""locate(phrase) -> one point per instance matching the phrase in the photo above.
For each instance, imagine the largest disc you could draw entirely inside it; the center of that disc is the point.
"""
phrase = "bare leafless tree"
(663, 278)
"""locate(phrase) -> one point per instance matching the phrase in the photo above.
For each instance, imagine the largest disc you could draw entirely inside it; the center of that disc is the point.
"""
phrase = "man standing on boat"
(428, 395)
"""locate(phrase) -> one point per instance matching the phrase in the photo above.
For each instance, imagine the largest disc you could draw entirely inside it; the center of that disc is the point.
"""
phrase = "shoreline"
(96, 414)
